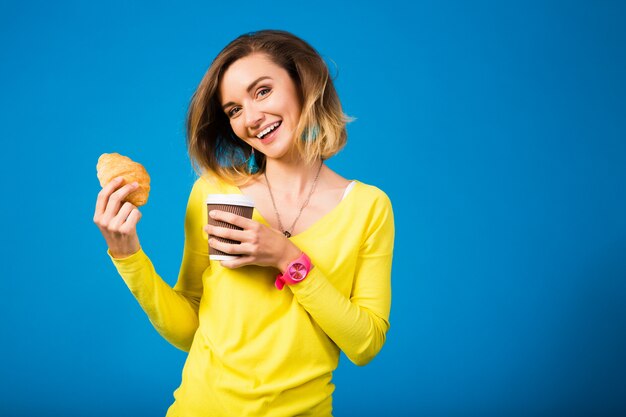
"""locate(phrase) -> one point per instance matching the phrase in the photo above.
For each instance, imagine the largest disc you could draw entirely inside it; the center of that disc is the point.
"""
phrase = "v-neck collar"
(344, 201)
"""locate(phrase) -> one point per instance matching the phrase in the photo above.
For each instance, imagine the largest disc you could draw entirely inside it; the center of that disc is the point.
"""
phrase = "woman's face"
(261, 101)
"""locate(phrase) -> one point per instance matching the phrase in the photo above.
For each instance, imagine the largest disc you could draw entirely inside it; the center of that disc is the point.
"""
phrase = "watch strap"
(296, 272)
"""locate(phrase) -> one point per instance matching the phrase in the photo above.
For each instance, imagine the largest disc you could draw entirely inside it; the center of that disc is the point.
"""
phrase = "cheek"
(295, 109)
(236, 126)
(240, 131)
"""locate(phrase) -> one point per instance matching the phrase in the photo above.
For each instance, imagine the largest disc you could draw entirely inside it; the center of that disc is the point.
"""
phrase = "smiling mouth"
(268, 130)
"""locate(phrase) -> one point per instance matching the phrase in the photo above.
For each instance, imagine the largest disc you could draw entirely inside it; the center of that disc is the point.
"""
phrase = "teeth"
(268, 130)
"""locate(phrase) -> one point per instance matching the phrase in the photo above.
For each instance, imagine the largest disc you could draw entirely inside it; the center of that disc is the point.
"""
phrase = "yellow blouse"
(257, 351)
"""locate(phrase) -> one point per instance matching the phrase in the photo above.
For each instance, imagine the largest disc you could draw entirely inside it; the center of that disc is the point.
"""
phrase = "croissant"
(112, 165)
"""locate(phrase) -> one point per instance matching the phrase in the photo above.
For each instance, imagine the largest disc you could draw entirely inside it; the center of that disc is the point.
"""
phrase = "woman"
(262, 122)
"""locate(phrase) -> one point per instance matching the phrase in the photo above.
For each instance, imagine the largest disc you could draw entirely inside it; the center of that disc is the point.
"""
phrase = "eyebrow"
(250, 87)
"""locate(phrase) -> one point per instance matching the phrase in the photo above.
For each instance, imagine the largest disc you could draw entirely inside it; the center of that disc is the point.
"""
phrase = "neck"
(291, 179)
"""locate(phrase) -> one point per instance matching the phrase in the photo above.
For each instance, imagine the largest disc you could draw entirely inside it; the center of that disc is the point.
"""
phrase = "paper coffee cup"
(233, 203)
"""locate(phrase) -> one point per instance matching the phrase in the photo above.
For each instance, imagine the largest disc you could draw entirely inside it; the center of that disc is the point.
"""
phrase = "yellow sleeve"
(172, 311)
(357, 325)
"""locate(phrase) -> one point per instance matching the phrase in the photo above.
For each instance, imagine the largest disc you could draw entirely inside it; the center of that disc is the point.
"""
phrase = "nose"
(254, 117)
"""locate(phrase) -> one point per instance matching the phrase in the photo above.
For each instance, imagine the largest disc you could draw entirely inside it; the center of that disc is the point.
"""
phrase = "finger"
(117, 198)
(236, 263)
(131, 221)
(229, 248)
(224, 232)
(231, 218)
(121, 217)
(103, 195)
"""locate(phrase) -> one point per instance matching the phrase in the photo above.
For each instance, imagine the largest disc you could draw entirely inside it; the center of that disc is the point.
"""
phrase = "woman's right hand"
(116, 219)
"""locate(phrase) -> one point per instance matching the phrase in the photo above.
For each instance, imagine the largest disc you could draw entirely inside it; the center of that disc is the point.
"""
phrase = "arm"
(172, 311)
(357, 324)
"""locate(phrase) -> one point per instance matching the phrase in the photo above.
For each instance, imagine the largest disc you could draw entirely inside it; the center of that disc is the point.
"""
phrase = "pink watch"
(296, 272)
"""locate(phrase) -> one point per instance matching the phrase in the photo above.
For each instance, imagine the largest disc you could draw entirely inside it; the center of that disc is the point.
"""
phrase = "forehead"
(241, 73)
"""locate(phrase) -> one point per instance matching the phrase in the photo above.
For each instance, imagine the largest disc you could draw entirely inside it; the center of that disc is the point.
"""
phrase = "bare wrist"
(289, 255)
(125, 251)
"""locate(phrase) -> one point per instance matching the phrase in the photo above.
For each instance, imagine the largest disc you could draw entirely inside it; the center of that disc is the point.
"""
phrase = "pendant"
(286, 233)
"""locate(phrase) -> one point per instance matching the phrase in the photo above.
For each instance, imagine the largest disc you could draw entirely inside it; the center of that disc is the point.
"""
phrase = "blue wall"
(497, 129)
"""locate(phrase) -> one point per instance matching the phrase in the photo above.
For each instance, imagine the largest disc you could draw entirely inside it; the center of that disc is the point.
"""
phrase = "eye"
(263, 91)
(233, 111)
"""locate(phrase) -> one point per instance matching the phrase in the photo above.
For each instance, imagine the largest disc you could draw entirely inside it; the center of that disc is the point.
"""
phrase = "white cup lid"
(234, 199)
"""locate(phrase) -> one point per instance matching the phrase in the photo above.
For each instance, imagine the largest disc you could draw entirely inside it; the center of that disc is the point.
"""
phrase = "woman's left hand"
(260, 245)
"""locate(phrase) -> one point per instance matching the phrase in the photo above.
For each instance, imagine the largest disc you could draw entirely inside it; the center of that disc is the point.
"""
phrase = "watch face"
(297, 271)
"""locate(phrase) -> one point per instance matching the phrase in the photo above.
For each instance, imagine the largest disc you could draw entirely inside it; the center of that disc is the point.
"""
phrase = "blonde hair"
(211, 142)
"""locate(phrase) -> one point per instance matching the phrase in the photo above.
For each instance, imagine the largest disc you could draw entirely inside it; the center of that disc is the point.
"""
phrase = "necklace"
(287, 232)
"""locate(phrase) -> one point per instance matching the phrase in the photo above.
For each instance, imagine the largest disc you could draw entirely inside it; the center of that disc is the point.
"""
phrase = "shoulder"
(372, 195)
(375, 210)
(211, 184)
(208, 184)
(373, 206)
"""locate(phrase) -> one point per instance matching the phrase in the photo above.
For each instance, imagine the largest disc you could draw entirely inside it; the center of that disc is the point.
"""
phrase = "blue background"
(497, 129)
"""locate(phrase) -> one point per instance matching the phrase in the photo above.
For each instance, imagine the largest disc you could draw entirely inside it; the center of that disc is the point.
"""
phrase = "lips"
(271, 135)
(267, 129)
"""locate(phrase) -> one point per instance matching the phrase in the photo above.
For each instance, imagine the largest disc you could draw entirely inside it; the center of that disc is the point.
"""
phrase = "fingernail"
(212, 213)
